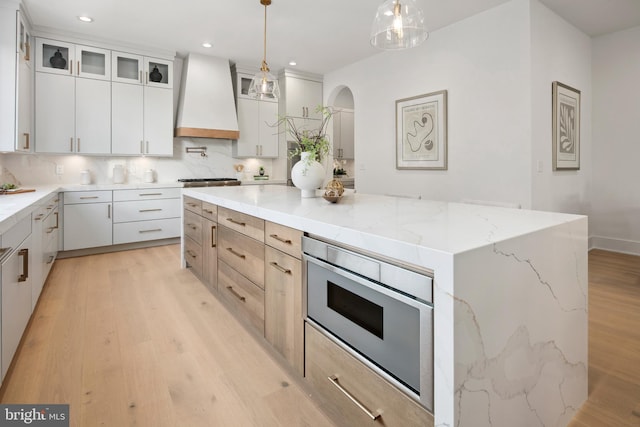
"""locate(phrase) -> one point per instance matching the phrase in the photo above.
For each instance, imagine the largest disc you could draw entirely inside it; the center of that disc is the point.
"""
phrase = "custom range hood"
(206, 106)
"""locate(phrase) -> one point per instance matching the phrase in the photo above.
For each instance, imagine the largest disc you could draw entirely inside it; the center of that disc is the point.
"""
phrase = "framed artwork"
(566, 127)
(421, 131)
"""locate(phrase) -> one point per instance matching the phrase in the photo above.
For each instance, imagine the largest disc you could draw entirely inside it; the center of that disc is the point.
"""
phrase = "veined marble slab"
(510, 293)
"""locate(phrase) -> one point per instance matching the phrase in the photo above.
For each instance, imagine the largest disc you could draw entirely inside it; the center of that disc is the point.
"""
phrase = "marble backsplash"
(38, 169)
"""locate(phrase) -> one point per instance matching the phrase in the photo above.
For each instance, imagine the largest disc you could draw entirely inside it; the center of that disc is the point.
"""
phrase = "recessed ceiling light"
(85, 18)
(206, 44)
(293, 63)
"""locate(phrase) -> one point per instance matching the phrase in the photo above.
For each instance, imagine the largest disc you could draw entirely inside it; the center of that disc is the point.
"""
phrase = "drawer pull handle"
(279, 268)
(88, 197)
(213, 236)
(150, 231)
(191, 254)
(149, 194)
(193, 205)
(149, 210)
(239, 255)
(38, 218)
(50, 230)
(192, 226)
(210, 212)
(334, 381)
(51, 258)
(280, 239)
(233, 221)
(237, 295)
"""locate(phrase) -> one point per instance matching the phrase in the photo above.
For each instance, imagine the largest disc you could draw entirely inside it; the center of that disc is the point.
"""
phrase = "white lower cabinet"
(16, 288)
(88, 219)
(45, 230)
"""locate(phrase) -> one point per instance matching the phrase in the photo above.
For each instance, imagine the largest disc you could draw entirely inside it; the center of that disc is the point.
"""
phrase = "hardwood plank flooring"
(130, 339)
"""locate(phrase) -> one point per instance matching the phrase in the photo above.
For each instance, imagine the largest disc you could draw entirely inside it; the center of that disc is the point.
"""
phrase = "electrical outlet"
(59, 169)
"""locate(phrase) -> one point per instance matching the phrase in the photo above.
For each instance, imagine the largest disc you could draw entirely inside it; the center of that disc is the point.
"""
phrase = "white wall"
(559, 52)
(484, 64)
(615, 220)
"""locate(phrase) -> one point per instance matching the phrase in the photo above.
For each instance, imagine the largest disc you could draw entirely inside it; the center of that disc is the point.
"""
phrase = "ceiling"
(320, 36)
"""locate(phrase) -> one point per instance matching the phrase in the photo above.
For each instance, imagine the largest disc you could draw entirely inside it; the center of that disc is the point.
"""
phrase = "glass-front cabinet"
(77, 60)
(136, 69)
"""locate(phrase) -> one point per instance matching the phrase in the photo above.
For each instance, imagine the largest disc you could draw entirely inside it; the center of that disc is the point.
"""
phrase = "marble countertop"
(392, 226)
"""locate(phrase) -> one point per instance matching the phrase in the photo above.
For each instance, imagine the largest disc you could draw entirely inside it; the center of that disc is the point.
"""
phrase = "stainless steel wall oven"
(380, 312)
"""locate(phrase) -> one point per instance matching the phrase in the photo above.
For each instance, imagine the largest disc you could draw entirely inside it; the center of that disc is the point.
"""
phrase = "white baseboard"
(614, 245)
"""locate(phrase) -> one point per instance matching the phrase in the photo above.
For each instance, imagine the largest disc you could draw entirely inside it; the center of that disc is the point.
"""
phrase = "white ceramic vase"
(307, 176)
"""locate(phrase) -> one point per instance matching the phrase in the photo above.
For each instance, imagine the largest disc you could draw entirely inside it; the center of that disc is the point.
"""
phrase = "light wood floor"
(130, 339)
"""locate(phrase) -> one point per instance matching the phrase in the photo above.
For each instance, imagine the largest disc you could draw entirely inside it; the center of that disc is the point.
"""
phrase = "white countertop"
(397, 224)
(14, 207)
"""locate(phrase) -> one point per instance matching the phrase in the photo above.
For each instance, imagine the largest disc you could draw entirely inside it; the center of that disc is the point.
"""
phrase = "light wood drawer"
(74, 197)
(242, 253)
(243, 295)
(242, 223)
(147, 194)
(144, 210)
(193, 226)
(210, 211)
(283, 322)
(286, 239)
(193, 205)
(193, 256)
(324, 360)
(140, 231)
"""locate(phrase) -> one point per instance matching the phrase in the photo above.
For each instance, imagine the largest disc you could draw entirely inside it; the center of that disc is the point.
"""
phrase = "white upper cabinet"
(142, 70)
(77, 60)
(302, 97)
(343, 134)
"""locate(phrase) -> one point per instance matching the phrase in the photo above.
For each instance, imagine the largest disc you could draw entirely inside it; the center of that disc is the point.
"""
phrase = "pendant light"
(264, 85)
(398, 25)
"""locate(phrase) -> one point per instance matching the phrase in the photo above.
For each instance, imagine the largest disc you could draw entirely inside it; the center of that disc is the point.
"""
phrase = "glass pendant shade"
(399, 24)
(264, 85)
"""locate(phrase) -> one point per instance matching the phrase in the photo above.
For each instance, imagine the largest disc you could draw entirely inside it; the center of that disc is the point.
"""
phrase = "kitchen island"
(509, 296)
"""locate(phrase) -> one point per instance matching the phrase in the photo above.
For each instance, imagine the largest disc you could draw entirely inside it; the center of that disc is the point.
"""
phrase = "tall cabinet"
(73, 98)
(256, 120)
(16, 84)
(142, 105)
(301, 95)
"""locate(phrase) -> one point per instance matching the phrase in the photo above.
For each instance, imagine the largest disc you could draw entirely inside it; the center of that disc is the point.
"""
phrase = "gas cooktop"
(208, 182)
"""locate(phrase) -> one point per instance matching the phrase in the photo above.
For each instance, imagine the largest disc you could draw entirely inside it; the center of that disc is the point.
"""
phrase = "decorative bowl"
(332, 199)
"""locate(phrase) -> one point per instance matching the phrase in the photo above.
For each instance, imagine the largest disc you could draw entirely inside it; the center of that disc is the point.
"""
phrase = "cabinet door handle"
(78, 144)
(26, 141)
(238, 254)
(146, 73)
(57, 220)
(149, 194)
(147, 149)
(88, 197)
(140, 76)
(78, 68)
(27, 49)
(141, 142)
(24, 253)
(237, 295)
(213, 236)
(280, 239)
(109, 211)
(71, 144)
(334, 381)
(240, 223)
(51, 258)
(71, 67)
(279, 268)
(149, 210)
